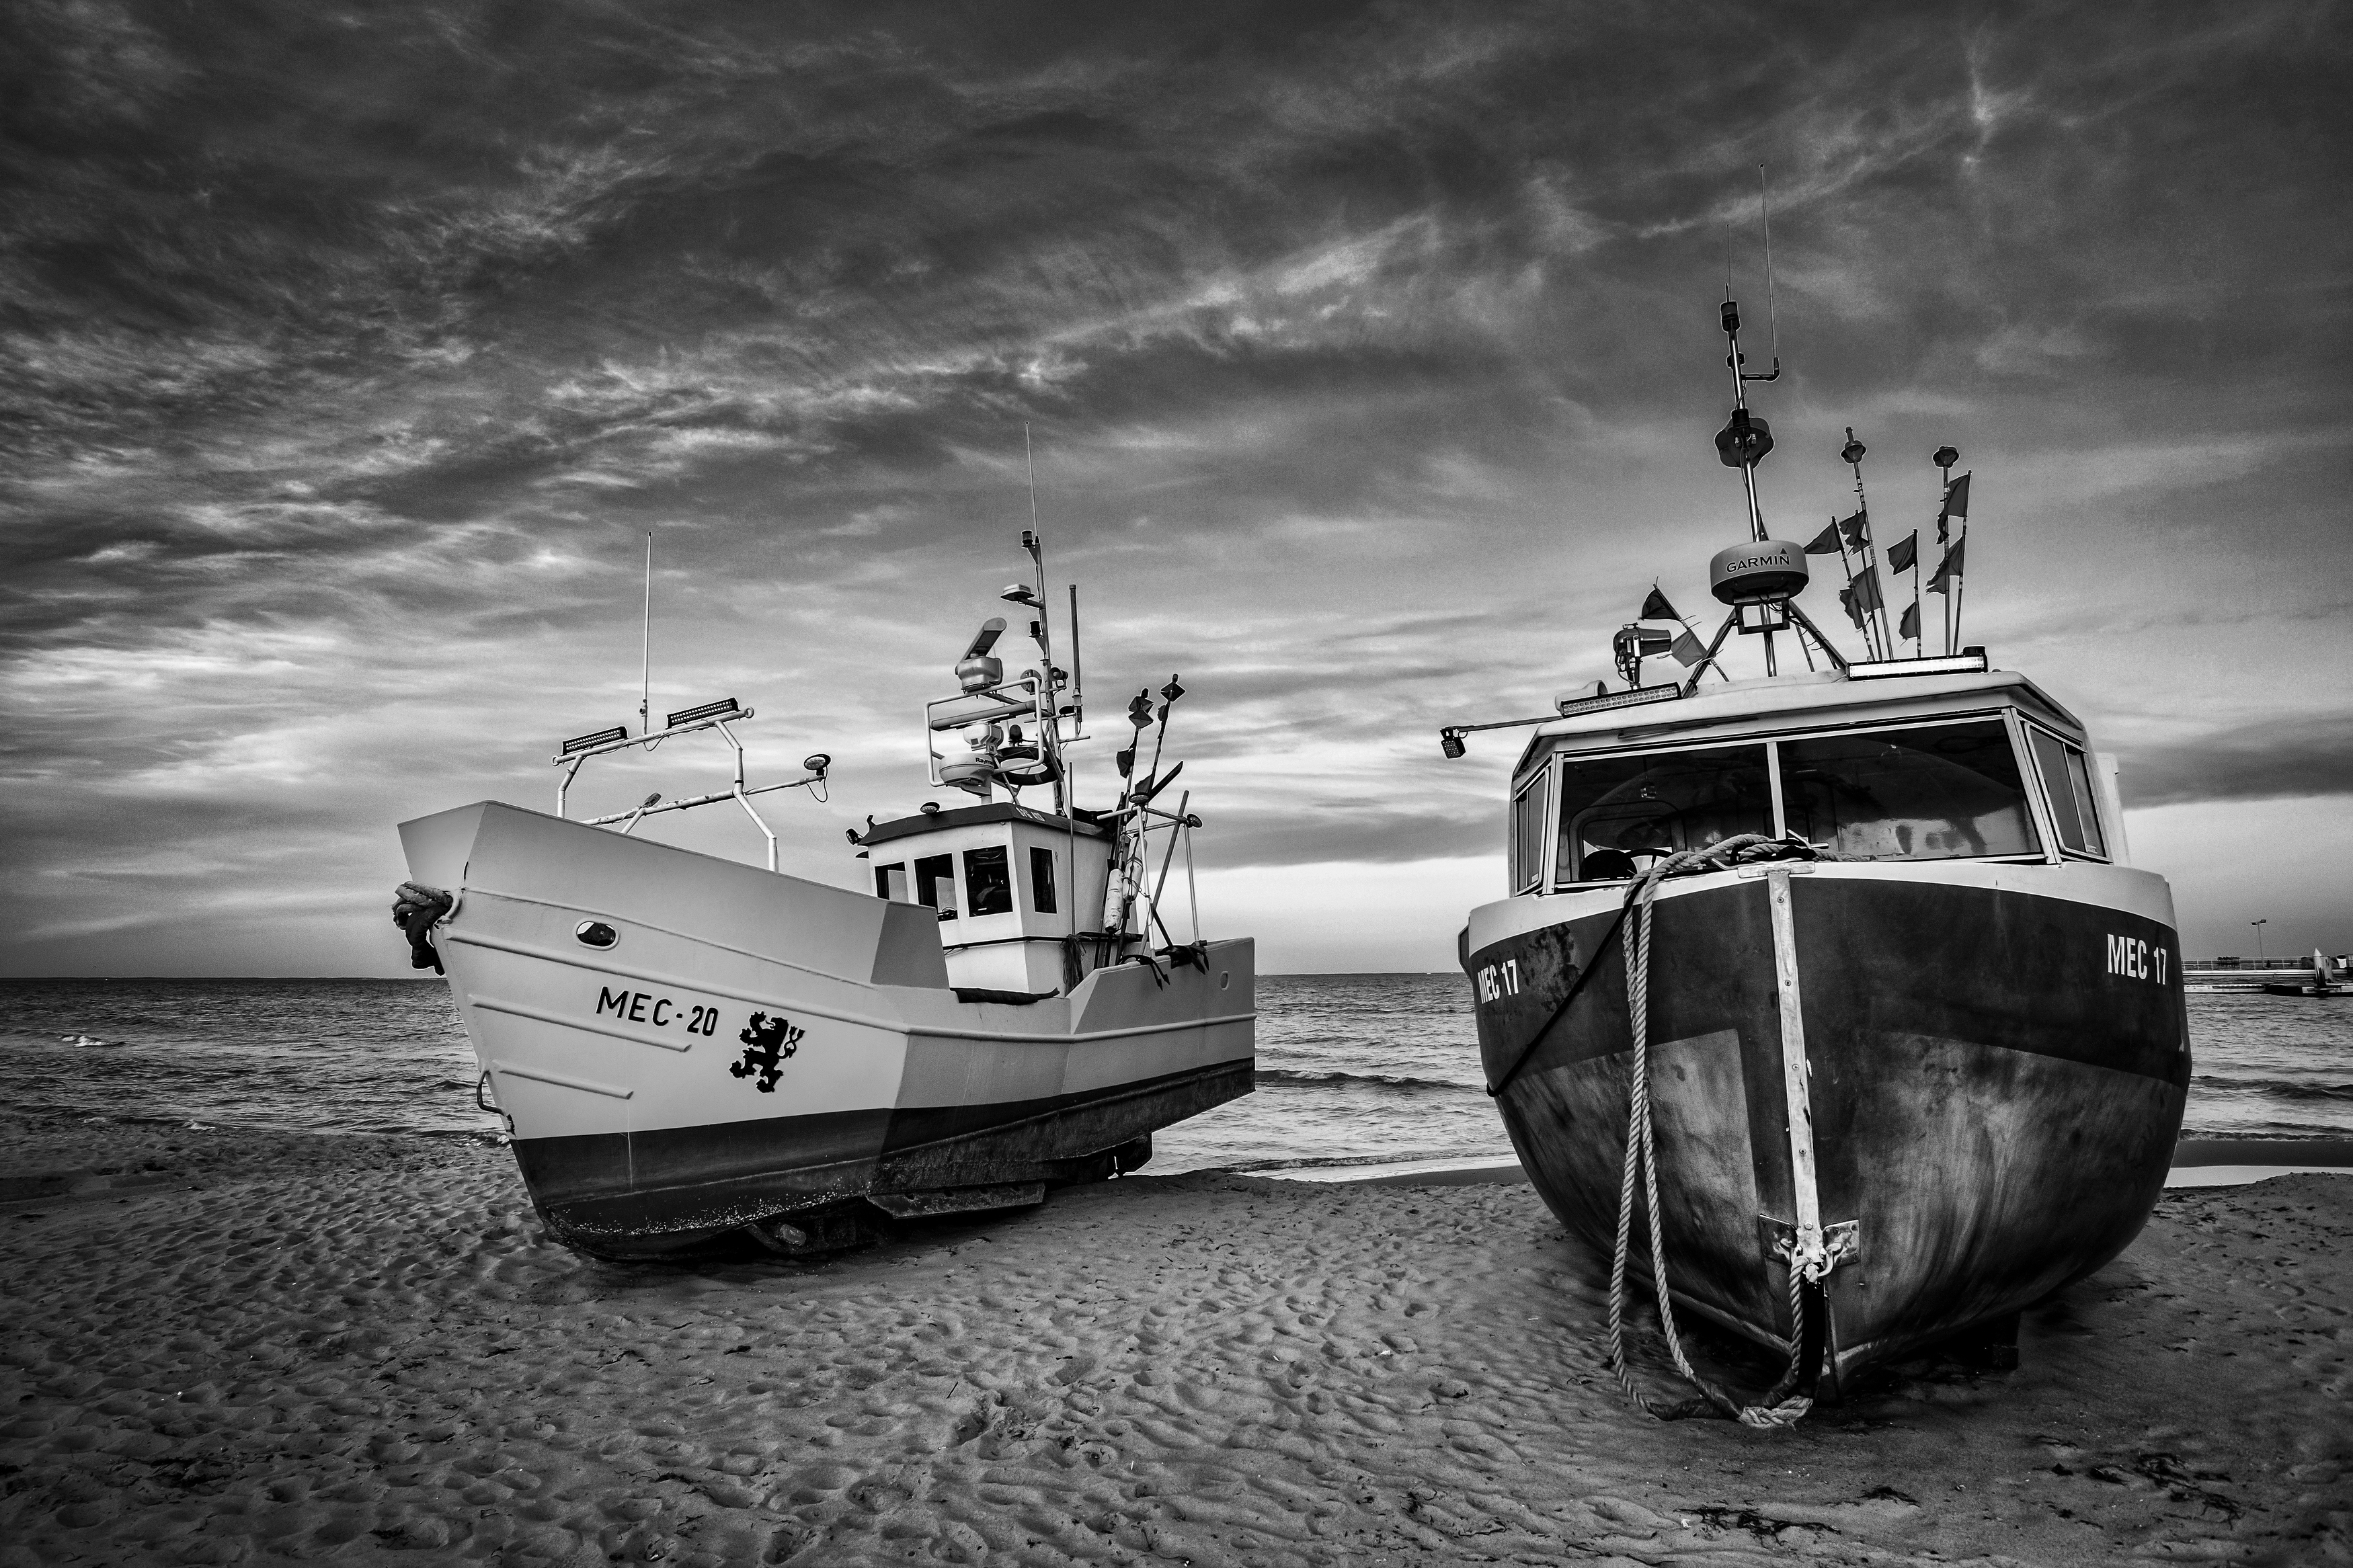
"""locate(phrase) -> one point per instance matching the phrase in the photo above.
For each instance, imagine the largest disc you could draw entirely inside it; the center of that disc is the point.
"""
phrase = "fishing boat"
(686, 1048)
(1828, 1001)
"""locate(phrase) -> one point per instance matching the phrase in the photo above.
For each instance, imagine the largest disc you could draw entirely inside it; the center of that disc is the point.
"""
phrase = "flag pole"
(1871, 564)
(1852, 454)
(1960, 581)
(1840, 534)
(1916, 648)
(1944, 457)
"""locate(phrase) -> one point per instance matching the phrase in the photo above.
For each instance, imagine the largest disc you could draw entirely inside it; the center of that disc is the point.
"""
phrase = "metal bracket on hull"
(1813, 1252)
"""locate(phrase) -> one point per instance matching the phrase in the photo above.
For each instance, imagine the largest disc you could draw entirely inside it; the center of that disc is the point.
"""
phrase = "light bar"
(1972, 662)
(721, 709)
(590, 742)
(1634, 697)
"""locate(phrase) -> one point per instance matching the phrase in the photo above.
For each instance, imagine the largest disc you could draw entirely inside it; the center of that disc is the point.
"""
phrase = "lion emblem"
(767, 1042)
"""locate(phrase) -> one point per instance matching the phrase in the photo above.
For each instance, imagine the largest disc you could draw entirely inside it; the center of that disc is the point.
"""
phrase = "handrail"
(570, 762)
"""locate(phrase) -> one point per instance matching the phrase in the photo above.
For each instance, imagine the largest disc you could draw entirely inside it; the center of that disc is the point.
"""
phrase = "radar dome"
(1763, 573)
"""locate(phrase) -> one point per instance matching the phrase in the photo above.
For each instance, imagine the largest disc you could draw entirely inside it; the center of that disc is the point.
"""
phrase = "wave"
(2275, 1088)
(1377, 1080)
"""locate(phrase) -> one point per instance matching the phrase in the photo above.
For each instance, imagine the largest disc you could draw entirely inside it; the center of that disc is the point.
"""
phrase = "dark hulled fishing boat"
(1856, 953)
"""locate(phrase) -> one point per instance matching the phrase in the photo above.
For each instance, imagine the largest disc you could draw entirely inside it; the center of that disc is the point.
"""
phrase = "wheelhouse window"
(1041, 880)
(890, 881)
(1528, 835)
(1941, 791)
(1620, 814)
(2069, 784)
(935, 884)
(987, 882)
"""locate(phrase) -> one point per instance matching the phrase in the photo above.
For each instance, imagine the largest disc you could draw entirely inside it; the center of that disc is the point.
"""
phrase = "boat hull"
(1990, 1066)
(745, 1046)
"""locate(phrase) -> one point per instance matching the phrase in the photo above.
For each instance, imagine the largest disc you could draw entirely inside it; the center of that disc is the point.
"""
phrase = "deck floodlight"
(724, 708)
(978, 671)
(816, 761)
(1449, 741)
(1970, 661)
(601, 737)
(1632, 697)
(1577, 694)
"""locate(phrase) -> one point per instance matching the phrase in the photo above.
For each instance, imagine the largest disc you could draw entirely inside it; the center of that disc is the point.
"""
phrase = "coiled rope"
(416, 907)
(1777, 1409)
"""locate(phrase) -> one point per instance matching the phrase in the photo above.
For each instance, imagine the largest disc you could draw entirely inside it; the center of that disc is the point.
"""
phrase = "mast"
(1743, 443)
(645, 646)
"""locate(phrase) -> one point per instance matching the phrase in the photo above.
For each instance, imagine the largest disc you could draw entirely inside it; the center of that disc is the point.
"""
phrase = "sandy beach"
(225, 1347)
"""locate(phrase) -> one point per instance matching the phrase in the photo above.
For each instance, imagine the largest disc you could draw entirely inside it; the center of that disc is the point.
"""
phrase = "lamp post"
(2259, 940)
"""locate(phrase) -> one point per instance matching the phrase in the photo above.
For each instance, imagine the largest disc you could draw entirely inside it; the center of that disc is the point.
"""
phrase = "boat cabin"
(1008, 883)
(1973, 765)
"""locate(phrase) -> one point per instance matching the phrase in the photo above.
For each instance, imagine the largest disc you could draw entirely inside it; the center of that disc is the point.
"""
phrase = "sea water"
(1354, 1070)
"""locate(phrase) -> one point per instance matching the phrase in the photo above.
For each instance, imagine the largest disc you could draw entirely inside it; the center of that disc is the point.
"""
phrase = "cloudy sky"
(1369, 353)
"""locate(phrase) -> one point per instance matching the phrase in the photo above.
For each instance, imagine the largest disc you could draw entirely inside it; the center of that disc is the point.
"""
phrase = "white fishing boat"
(1828, 1001)
(685, 1046)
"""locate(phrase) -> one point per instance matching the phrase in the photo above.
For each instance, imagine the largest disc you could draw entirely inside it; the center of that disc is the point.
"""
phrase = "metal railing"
(719, 716)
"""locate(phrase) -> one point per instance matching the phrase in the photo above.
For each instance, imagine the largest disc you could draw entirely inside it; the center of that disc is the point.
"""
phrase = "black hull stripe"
(726, 1173)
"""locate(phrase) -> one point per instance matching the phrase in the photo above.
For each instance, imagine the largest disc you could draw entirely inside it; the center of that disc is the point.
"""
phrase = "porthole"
(596, 933)
(1224, 978)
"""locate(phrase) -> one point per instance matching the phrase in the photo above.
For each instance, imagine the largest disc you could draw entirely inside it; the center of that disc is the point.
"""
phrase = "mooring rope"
(1776, 1409)
(414, 909)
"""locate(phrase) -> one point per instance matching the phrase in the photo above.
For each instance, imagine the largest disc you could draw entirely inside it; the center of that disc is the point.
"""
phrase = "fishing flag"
(1857, 529)
(1826, 542)
(1905, 553)
(1688, 650)
(1909, 626)
(1866, 590)
(1949, 569)
(1853, 612)
(1656, 608)
(1957, 505)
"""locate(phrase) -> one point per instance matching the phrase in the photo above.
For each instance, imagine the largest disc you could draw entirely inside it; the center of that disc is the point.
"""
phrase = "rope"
(1775, 1409)
(414, 909)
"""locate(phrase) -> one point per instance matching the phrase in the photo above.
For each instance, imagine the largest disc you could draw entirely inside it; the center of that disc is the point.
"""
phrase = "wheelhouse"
(1005, 881)
(1982, 766)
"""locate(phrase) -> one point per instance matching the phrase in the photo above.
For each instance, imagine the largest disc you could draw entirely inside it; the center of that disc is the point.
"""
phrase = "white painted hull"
(752, 1046)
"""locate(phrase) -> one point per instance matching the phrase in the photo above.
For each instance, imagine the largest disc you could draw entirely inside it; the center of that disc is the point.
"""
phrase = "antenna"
(1033, 540)
(645, 645)
(1031, 463)
(1078, 666)
(1772, 323)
